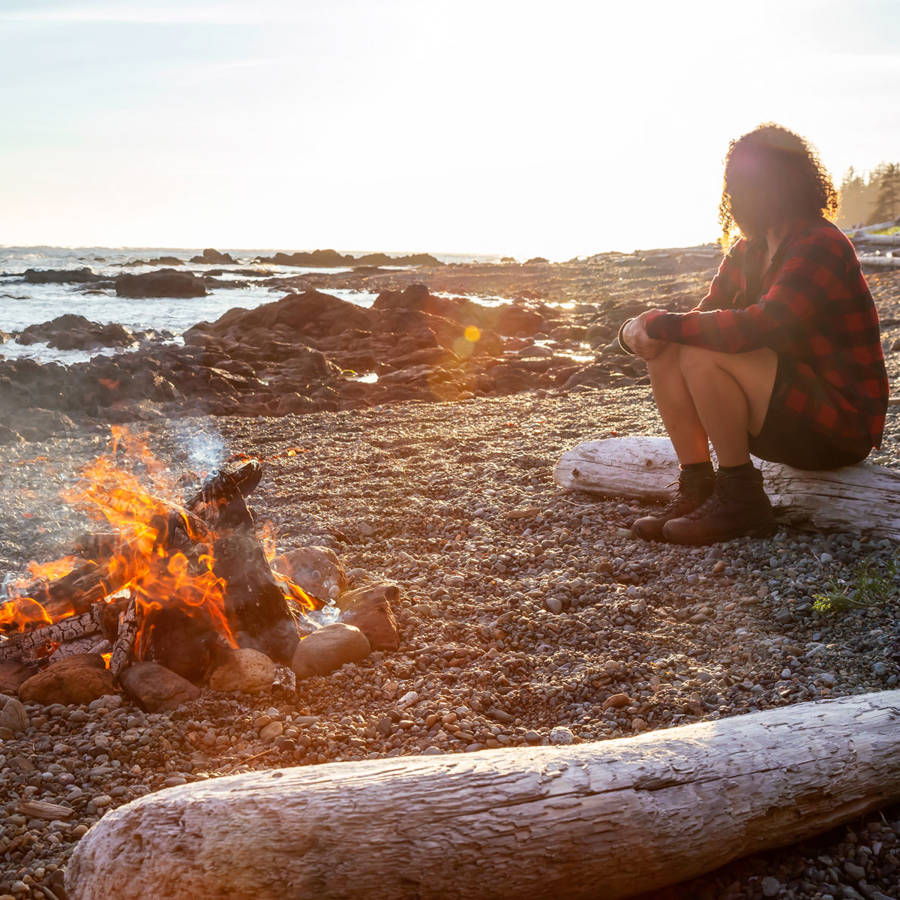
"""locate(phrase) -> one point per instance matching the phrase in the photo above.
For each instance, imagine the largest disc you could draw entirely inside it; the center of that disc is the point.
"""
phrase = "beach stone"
(561, 735)
(156, 688)
(328, 649)
(369, 610)
(316, 569)
(245, 670)
(408, 699)
(617, 701)
(12, 714)
(271, 731)
(771, 887)
(857, 873)
(75, 679)
(13, 674)
(554, 604)
(613, 667)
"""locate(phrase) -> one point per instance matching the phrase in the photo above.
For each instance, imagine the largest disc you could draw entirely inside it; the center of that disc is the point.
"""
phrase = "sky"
(470, 126)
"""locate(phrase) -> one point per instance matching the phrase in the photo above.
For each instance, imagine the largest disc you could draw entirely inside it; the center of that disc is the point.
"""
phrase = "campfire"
(180, 584)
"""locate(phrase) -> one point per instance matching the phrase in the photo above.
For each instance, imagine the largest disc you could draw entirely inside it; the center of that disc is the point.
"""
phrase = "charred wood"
(127, 626)
(185, 644)
(39, 643)
(255, 603)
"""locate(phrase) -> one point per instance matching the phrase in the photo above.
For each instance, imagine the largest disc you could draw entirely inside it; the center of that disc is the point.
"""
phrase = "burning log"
(76, 592)
(97, 622)
(255, 601)
(128, 626)
(33, 644)
(864, 498)
(621, 817)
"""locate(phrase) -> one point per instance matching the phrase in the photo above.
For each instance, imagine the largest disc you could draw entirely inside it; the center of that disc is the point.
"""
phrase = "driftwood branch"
(608, 819)
(863, 499)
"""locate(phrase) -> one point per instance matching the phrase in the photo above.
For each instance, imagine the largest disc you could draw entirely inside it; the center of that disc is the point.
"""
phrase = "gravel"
(528, 617)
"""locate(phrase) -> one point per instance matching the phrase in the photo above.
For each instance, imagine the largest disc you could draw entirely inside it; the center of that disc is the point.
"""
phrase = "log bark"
(863, 499)
(606, 819)
(868, 229)
(879, 262)
(881, 240)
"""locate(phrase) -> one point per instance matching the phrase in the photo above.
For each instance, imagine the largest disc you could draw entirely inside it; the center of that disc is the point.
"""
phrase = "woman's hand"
(636, 336)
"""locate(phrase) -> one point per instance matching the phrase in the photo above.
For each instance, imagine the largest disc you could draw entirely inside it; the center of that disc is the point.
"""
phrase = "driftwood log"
(880, 262)
(863, 499)
(606, 819)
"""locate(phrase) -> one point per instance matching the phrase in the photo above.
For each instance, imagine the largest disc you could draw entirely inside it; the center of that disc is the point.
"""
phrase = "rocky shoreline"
(526, 615)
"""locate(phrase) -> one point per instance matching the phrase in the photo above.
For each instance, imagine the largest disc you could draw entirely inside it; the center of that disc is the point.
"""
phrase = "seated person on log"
(781, 359)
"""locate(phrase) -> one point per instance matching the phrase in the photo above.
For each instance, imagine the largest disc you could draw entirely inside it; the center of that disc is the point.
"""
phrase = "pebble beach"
(527, 615)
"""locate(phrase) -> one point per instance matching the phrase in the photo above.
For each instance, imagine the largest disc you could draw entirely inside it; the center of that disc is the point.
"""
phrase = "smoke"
(204, 446)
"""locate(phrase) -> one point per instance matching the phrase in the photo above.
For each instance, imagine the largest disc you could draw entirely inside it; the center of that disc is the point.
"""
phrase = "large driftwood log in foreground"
(864, 498)
(599, 820)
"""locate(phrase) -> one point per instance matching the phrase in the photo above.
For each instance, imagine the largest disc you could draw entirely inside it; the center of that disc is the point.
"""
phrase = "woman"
(781, 359)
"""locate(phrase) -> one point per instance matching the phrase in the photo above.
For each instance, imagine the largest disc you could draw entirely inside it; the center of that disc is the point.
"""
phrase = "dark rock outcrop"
(74, 332)
(290, 356)
(333, 259)
(156, 261)
(162, 283)
(60, 276)
(212, 257)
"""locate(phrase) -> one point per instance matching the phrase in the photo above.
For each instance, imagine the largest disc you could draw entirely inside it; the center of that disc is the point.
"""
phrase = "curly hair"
(773, 175)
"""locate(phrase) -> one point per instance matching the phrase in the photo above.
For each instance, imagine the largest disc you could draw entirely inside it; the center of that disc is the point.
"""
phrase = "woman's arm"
(812, 278)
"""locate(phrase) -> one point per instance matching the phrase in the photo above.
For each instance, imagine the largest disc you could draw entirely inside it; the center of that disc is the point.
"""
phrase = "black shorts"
(787, 438)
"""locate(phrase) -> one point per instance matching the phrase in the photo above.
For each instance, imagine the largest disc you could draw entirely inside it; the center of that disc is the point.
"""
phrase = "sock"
(743, 469)
(700, 468)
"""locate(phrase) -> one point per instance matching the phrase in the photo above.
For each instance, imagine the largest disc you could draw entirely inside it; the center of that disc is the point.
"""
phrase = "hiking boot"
(694, 487)
(738, 507)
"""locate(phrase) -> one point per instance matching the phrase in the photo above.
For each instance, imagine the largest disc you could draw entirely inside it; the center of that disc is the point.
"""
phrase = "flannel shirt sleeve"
(814, 270)
(726, 283)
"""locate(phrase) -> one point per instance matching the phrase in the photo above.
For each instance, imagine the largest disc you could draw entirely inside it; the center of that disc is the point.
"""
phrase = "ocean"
(23, 304)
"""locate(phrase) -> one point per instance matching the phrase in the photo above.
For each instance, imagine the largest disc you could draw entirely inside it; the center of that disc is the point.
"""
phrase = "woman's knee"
(667, 359)
(694, 360)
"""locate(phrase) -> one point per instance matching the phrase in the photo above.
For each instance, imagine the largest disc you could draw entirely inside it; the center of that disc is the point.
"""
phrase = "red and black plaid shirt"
(812, 305)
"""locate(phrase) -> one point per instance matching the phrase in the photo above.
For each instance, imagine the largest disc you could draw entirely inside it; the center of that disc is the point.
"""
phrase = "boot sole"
(756, 531)
(655, 537)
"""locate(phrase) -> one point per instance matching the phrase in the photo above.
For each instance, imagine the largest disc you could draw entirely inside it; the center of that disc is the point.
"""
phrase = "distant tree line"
(870, 200)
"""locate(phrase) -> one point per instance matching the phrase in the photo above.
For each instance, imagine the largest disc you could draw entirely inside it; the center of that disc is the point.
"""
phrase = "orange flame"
(143, 562)
(23, 614)
(52, 570)
(268, 537)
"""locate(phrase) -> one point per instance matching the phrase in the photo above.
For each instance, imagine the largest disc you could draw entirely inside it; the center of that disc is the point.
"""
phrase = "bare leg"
(730, 393)
(676, 407)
